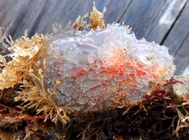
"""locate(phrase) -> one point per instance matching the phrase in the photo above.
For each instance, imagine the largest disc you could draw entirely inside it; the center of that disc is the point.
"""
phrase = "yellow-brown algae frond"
(27, 68)
(35, 98)
(27, 48)
(79, 23)
(24, 54)
(97, 18)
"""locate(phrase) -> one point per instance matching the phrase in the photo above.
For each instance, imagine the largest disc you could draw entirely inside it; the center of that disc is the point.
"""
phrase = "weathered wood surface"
(163, 21)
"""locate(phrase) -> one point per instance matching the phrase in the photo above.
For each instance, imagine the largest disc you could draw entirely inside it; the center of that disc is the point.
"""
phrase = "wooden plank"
(72, 10)
(68, 11)
(140, 15)
(177, 40)
(165, 19)
(115, 10)
(179, 32)
(39, 15)
(19, 16)
(43, 18)
(14, 17)
(182, 57)
(28, 21)
(5, 7)
(153, 19)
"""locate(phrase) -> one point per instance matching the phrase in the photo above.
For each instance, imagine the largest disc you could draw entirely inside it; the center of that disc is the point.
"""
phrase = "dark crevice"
(166, 35)
(155, 19)
(124, 11)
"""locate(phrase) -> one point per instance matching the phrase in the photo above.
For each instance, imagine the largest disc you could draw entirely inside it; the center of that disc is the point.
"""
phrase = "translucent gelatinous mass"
(104, 68)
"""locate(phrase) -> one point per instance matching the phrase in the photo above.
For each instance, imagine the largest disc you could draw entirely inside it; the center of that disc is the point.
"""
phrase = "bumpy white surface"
(104, 68)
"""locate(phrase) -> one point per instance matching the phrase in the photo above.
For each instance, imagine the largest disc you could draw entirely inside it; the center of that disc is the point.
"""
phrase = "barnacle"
(92, 81)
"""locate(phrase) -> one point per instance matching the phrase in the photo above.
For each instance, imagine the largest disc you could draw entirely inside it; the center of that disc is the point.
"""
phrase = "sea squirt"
(104, 68)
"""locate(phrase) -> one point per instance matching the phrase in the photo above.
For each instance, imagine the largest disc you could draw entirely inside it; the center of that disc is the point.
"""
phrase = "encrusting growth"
(99, 83)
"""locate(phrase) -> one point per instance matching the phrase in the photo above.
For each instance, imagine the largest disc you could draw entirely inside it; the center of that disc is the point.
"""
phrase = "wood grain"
(177, 40)
(162, 21)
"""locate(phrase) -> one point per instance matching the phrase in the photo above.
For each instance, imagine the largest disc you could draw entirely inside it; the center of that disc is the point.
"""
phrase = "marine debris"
(90, 81)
